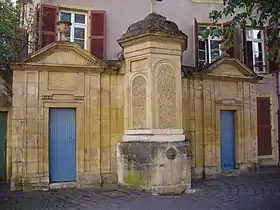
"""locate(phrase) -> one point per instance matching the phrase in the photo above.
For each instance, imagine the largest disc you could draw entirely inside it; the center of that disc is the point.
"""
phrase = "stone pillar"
(154, 154)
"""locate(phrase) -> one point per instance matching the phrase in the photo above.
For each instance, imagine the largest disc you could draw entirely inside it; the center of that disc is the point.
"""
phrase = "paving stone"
(254, 192)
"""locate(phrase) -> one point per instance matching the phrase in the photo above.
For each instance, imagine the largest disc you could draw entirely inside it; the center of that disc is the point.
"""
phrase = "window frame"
(76, 25)
(262, 42)
(208, 56)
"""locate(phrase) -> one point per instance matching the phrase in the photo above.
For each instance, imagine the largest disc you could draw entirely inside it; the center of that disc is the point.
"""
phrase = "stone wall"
(99, 112)
(112, 124)
(203, 98)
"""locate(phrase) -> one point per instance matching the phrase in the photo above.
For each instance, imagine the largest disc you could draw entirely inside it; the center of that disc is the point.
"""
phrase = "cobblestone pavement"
(251, 192)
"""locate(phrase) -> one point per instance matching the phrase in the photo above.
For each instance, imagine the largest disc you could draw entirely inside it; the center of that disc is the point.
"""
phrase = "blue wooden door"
(227, 135)
(62, 145)
(3, 145)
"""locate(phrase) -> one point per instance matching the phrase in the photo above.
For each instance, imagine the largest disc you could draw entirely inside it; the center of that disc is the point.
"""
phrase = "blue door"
(62, 145)
(227, 135)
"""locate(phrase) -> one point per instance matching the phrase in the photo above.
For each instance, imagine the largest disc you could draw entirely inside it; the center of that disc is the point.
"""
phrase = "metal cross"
(153, 5)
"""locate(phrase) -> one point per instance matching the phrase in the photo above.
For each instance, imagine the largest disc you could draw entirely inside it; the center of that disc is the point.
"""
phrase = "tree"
(16, 25)
(255, 13)
(9, 22)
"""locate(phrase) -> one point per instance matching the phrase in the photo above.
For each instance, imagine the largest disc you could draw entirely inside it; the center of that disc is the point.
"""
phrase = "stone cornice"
(225, 78)
(158, 37)
(64, 47)
(233, 61)
(51, 67)
(111, 69)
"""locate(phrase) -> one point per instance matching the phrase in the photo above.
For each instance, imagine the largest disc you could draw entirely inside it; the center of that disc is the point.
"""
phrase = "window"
(90, 35)
(254, 50)
(77, 31)
(208, 49)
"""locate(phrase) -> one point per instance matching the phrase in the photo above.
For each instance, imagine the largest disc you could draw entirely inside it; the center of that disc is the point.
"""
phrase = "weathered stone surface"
(146, 165)
(64, 75)
(228, 193)
(153, 154)
(225, 85)
(153, 23)
(148, 97)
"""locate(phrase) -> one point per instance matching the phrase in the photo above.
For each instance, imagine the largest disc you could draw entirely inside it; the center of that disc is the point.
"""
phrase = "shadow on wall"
(5, 88)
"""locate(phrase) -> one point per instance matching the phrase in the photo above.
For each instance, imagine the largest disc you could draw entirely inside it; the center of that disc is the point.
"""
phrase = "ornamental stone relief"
(166, 94)
(138, 102)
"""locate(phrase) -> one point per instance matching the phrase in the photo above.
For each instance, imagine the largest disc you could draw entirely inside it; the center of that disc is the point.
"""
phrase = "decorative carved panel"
(166, 95)
(138, 99)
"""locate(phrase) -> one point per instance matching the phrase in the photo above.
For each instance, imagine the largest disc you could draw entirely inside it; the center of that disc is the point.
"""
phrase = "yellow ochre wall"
(203, 98)
(64, 75)
(95, 92)
(112, 124)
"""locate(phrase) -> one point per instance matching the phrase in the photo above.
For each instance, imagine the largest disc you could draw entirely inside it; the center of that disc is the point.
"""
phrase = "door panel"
(62, 145)
(3, 145)
(264, 126)
(227, 135)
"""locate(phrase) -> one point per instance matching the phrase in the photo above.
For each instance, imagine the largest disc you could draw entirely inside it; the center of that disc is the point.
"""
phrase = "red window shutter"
(195, 35)
(231, 50)
(98, 33)
(48, 19)
(264, 126)
(272, 66)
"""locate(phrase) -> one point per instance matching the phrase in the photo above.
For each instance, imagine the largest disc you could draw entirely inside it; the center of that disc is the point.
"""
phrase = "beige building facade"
(52, 76)
(64, 78)
(117, 17)
(62, 75)
(225, 86)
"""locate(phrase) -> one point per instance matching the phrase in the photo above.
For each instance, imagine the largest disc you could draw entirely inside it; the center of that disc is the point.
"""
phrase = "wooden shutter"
(195, 37)
(231, 50)
(272, 66)
(98, 33)
(48, 19)
(264, 126)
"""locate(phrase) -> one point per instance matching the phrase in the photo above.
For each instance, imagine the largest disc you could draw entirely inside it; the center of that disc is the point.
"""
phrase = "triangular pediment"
(64, 54)
(230, 67)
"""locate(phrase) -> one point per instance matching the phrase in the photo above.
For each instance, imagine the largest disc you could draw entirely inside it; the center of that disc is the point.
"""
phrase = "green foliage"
(16, 20)
(248, 13)
(9, 26)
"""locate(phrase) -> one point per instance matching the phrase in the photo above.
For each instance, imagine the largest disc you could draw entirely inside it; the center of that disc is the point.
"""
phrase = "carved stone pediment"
(64, 54)
(227, 67)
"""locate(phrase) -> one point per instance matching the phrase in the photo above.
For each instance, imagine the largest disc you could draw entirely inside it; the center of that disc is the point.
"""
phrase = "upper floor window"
(89, 33)
(254, 50)
(78, 28)
(208, 49)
